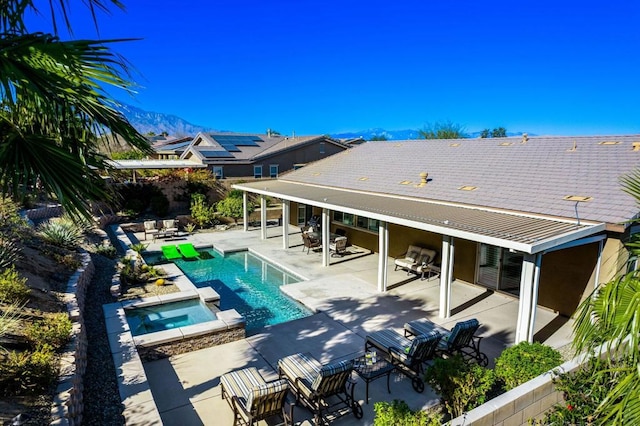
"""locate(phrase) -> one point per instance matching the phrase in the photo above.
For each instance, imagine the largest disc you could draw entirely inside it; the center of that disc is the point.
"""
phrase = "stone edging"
(68, 403)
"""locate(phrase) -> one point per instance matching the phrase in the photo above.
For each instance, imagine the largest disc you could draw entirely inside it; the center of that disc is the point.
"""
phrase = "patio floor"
(348, 305)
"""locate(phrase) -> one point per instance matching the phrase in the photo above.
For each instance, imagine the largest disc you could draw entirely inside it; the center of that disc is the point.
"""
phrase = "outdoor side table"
(370, 371)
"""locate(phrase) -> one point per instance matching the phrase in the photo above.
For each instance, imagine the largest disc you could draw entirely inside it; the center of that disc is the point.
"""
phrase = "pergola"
(532, 235)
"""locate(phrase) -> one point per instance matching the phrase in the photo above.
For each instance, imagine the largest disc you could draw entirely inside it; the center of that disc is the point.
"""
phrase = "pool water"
(249, 284)
(167, 316)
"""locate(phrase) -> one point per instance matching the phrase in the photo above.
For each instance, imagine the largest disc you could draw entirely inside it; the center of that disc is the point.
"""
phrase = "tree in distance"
(443, 130)
(378, 138)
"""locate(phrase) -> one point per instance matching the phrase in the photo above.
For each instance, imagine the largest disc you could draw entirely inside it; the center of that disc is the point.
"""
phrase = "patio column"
(598, 265)
(529, 283)
(325, 237)
(286, 208)
(245, 211)
(263, 217)
(446, 276)
(383, 253)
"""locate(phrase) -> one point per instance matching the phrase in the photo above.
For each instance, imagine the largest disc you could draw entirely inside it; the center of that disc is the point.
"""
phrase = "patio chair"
(309, 242)
(320, 387)
(418, 260)
(188, 251)
(406, 355)
(460, 340)
(170, 225)
(171, 252)
(150, 228)
(338, 247)
(252, 398)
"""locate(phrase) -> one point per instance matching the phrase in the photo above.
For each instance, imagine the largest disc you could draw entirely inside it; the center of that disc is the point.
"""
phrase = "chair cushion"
(412, 254)
(150, 225)
(449, 339)
(241, 382)
(388, 338)
(424, 326)
(330, 370)
(426, 257)
(266, 389)
(301, 365)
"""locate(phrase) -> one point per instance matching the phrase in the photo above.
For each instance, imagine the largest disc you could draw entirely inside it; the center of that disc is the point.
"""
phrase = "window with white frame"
(218, 172)
(322, 148)
(273, 171)
(257, 172)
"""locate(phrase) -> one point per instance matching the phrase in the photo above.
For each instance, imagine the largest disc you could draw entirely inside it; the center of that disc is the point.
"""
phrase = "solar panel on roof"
(230, 147)
(216, 154)
(237, 140)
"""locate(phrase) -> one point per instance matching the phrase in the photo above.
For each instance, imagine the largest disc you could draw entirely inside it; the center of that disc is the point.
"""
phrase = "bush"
(231, 207)
(524, 361)
(9, 253)
(13, 287)
(462, 385)
(106, 251)
(202, 213)
(61, 233)
(398, 413)
(53, 331)
(28, 372)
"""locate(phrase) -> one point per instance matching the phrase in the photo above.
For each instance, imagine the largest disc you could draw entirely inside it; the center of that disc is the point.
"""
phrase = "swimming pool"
(143, 320)
(249, 284)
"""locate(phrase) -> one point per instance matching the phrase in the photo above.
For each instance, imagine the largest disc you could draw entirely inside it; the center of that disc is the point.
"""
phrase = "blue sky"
(543, 67)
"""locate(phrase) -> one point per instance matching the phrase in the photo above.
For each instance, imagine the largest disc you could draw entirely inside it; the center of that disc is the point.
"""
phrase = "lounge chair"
(460, 340)
(171, 252)
(188, 251)
(406, 355)
(170, 226)
(252, 398)
(320, 387)
(416, 259)
(150, 228)
(338, 247)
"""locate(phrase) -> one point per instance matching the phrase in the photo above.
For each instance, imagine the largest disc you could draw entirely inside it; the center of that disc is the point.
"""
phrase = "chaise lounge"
(320, 387)
(171, 252)
(188, 251)
(416, 259)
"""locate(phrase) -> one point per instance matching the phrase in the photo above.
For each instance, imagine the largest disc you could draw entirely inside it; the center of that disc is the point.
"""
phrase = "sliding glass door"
(499, 269)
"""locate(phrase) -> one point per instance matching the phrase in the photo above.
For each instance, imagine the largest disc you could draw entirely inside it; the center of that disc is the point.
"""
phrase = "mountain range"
(157, 122)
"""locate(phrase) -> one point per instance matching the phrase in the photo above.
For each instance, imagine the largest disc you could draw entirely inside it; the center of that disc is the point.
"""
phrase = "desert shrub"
(583, 390)
(231, 207)
(106, 251)
(10, 320)
(202, 213)
(13, 287)
(53, 331)
(398, 413)
(159, 205)
(9, 253)
(461, 384)
(11, 223)
(524, 361)
(61, 233)
(24, 373)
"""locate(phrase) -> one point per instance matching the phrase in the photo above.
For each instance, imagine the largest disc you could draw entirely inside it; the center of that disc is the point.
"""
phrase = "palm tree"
(611, 317)
(53, 108)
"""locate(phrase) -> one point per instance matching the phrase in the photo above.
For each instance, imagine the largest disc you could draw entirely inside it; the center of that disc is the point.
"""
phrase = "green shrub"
(53, 331)
(106, 251)
(202, 213)
(398, 413)
(61, 233)
(24, 373)
(461, 384)
(524, 361)
(9, 253)
(13, 287)
(583, 390)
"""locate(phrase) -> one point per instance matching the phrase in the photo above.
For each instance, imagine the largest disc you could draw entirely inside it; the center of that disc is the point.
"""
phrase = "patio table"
(368, 370)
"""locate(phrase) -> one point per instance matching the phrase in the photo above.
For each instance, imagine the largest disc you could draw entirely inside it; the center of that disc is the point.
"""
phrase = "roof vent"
(364, 178)
(423, 179)
(577, 198)
(468, 188)
(405, 182)
(636, 146)
(454, 144)
(574, 147)
(525, 138)
(608, 143)
(505, 144)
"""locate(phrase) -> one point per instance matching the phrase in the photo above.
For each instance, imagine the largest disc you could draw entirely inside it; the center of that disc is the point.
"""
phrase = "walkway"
(186, 387)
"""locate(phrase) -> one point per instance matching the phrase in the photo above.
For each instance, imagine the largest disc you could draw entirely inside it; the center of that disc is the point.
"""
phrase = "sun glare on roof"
(577, 198)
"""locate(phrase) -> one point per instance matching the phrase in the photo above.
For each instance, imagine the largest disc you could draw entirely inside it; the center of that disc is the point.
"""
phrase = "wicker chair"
(406, 355)
(310, 243)
(253, 399)
(313, 384)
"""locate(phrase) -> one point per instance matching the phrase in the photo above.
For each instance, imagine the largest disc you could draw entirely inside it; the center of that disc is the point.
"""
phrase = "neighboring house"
(169, 147)
(542, 218)
(258, 156)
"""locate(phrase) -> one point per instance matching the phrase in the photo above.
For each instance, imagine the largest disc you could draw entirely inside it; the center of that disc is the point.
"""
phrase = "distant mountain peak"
(148, 121)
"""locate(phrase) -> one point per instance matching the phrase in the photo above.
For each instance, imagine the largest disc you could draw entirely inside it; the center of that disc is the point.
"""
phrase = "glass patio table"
(370, 368)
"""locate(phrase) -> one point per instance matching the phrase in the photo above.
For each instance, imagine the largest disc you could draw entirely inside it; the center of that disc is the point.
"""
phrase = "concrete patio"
(348, 306)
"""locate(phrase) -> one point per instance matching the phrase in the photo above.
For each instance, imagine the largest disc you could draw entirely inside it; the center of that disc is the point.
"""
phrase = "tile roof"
(531, 177)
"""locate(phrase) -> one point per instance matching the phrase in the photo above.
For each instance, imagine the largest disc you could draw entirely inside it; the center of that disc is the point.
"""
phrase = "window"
(257, 172)
(273, 170)
(217, 172)
(322, 148)
(299, 166)
(362, 222)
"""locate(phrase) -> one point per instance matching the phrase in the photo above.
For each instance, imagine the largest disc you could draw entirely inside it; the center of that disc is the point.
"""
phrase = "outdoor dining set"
(328, 389)
(166, 228)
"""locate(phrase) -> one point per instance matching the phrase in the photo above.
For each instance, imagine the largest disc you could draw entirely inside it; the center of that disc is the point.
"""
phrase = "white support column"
(263, 217)
(598, 265)
(286, 208)
(325, 237)
(245, 211)
(529, 283)
(383, 254)
(446, 276)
